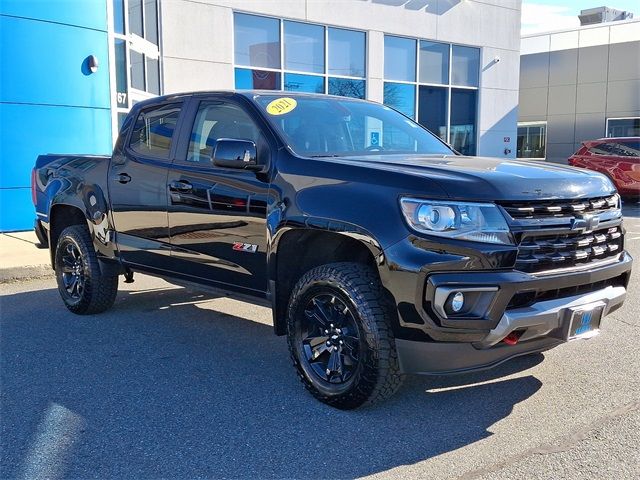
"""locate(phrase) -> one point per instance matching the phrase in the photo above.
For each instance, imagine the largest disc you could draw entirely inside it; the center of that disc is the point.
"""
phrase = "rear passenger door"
(138, 186)
(217, 215)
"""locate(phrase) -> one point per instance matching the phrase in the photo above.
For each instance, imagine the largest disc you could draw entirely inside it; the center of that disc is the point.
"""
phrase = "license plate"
(585, 321)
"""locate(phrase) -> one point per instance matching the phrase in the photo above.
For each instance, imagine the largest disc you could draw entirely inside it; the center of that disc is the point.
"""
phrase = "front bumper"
(544, 325)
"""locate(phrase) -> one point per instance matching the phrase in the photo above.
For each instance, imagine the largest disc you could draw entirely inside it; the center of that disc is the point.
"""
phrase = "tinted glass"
(303, 47)
(137, 70)
(118, 16)
(617, 148)
(345, 87)
(257, 41)
(135, 17)
(151, 21)
(402, 97)
(346, 52)
(623, 127)
(153, 131)
(153, 75)
(121, 72)
(463, 121)
(217, 120)
(326, 126)
(432, 110)
(256, 79)
(434, 62)
(465, 67)
(297, 82)
(531, 141)
(399, 59)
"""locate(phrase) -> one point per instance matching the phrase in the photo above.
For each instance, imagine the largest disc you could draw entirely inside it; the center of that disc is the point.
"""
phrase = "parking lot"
(177, 383)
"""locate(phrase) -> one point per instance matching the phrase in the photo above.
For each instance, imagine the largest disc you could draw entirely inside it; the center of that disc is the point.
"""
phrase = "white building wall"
(197, 45)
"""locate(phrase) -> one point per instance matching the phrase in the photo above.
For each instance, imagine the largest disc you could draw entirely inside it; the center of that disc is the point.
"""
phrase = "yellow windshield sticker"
(280, 106)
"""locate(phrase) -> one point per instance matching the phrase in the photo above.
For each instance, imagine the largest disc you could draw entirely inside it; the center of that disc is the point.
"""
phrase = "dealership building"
(579, 84)
(72, 69)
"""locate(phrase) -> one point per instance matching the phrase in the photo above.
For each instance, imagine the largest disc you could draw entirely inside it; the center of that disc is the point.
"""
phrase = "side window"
(153, 131)
(618, 149)
(216, 120)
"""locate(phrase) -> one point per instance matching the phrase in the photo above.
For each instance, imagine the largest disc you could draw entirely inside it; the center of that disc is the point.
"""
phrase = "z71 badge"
(245, 247)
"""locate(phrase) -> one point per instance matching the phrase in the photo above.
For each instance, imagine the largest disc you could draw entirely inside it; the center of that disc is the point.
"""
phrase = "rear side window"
(623, 148)
(153, 131)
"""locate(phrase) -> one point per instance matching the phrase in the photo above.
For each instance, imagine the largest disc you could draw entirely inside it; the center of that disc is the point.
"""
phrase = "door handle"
(123, 178)
(180, 186)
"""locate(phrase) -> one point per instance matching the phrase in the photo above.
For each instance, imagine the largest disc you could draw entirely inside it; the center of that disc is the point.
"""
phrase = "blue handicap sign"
(375, 139)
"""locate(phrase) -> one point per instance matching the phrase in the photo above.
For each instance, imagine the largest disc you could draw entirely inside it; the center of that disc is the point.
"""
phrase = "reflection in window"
(153, 75)
(246, 79)
(401, 96)
(432, 110)
(135, 17)
(465, 67)
(297, 82)
(121, 72)
(153, 130)
(346, 87)
(137, 70)
(303, 47)
(532, 140)
(623, 127)
(399, 59)
(434, 63)
(463, 120)
(257, 41)
(346, 53)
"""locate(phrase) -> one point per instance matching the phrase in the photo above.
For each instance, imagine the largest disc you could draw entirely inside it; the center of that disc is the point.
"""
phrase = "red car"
(618, 158)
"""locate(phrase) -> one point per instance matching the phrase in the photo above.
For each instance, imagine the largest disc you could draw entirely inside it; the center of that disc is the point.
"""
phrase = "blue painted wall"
(49, 101)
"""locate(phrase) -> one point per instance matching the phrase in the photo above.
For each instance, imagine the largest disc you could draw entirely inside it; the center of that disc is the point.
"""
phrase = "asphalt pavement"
(179, 383)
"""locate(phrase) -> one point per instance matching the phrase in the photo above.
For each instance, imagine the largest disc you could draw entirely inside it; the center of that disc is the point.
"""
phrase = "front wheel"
(340, 337)
(82, 286)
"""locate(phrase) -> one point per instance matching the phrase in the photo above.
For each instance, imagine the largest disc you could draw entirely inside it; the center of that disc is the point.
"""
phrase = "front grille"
(551, 252)
(560, 208)
(525, 299)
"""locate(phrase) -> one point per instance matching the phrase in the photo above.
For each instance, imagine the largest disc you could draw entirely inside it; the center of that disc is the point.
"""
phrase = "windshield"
(335, 127)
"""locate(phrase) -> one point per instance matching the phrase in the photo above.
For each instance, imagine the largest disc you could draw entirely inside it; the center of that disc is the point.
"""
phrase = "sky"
(547, 15)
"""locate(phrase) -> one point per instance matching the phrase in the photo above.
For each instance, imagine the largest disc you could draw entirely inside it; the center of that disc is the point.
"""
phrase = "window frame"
(541, 123)
(326, 76)
(606, 124)
(449, 86)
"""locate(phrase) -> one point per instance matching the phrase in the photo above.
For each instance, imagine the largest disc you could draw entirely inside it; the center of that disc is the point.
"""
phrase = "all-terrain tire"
(93, 292)
(376, 375)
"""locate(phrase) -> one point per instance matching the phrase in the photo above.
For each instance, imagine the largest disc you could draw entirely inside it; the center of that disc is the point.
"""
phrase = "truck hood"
(483, 178)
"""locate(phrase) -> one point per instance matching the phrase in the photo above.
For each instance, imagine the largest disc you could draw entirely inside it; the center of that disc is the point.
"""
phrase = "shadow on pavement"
(149, 391)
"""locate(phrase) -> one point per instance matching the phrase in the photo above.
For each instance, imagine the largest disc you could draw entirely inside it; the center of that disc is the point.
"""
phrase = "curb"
(29, 272)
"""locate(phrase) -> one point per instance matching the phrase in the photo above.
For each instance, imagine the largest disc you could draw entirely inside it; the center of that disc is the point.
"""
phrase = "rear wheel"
(340, 338)
(82, 287)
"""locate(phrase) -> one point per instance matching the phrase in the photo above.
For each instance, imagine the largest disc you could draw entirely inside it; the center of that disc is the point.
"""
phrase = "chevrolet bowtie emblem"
(586, 223)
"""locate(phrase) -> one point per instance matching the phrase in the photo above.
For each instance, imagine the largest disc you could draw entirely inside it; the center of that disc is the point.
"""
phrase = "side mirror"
(232, 153)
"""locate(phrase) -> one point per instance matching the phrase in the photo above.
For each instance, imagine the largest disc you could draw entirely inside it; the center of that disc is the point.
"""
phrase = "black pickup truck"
(382, 251)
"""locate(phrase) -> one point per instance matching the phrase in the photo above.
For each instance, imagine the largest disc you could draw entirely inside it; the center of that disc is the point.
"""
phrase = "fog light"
(457, 302)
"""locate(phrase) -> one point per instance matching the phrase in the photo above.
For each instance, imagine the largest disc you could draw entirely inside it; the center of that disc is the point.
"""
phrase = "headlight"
(476, 222)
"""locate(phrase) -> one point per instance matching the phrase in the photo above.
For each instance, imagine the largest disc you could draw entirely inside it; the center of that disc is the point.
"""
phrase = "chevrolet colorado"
(381, 250)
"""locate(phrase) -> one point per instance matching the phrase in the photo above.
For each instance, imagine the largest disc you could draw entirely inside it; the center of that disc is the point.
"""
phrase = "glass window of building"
(137, 70)
(432, 109)
(623, 127)
(401, 96)
(434, 63)
(532, 140)
(462, 136)
(135, 17)
(399, 58)
(118, 16)
(346, 53)
(465, 66)
(303, 47)
(423, 85)
(316, 58)
(257, 41)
